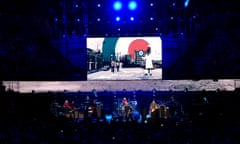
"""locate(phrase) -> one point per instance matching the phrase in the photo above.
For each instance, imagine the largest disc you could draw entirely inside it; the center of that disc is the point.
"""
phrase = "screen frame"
(95, 46)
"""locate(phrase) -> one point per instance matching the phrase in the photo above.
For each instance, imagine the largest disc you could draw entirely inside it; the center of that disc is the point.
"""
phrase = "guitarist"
(153, 109)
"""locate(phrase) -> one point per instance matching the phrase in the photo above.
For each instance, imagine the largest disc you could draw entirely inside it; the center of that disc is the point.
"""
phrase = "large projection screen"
(127, 53)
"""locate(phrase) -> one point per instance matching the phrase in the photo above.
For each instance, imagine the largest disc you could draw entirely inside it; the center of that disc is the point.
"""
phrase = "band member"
(87, 100)
(72, 105)
(124, 101)
(97, 109)
(87, 107)
(127, 112)
(74, 110)
(153, 110)
(92, 109)
(174, 107)
(153, 106)
(68, 108)
(66, 105)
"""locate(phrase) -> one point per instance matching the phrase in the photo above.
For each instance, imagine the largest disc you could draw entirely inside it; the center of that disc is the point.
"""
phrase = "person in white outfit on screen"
(148, 62)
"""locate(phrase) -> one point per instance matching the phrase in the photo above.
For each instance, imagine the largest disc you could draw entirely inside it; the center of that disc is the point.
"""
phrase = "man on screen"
(112, 66)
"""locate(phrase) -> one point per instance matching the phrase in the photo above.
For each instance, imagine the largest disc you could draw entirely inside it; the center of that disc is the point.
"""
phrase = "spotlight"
(186, 3)
(118, 18)
(132, 18)
(108, 117)
(117, 5)
(132, 5)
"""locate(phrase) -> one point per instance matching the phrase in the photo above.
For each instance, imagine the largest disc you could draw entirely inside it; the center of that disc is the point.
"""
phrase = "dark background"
(39, 40)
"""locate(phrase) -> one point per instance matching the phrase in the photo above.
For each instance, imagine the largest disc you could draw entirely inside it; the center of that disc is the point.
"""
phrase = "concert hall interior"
(119, 71)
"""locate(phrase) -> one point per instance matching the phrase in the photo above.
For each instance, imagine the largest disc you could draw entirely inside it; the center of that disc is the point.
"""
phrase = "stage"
(128, 85)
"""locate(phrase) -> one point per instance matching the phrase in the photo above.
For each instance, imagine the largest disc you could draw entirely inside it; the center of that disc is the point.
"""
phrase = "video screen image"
(124, 58)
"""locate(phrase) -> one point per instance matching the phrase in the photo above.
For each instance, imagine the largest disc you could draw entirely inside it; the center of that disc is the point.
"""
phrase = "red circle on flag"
(137, 45)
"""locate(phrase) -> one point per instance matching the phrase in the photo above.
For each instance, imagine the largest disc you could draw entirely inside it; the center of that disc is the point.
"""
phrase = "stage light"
(117, 5)
(108, 117)
(78, 20)
(151, 4)
(132, 5)
(76, 5)
(98, 5)
(118, 18)
(98, 19)
(186, 3)
(151, 18)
